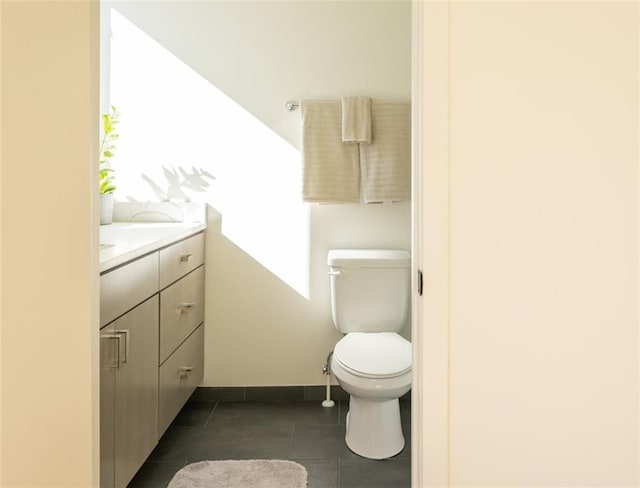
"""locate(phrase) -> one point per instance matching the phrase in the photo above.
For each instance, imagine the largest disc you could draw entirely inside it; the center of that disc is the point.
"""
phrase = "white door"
(526, 225)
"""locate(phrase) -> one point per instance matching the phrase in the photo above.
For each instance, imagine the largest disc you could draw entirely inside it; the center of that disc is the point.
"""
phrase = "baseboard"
(270, 394)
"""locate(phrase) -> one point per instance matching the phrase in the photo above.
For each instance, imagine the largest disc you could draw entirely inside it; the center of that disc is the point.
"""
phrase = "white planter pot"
(106, 208)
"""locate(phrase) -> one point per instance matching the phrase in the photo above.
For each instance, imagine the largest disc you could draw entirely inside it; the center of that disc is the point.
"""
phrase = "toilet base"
(374, 429)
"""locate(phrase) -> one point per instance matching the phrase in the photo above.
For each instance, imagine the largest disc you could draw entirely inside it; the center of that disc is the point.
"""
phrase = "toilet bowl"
(370, 302)
(375, 370)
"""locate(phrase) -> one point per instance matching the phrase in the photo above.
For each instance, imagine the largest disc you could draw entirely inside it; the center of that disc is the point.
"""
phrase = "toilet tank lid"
(369, 258)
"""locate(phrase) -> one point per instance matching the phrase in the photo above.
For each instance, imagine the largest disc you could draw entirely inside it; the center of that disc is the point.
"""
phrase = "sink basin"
(105, 246)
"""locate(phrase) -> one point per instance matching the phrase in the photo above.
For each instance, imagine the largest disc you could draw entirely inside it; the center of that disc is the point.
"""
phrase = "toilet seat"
(374, 355)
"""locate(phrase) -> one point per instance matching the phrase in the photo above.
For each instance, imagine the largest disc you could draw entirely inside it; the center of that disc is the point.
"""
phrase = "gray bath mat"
(256, 473)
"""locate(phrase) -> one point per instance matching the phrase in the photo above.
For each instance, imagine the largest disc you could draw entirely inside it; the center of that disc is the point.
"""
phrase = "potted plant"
(107, 145)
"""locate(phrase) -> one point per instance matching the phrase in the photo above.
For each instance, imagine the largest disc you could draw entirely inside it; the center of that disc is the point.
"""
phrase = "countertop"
(121, 242)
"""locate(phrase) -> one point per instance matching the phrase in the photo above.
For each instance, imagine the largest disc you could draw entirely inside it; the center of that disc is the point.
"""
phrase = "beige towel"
(386, 162)
(330, 169)
(356, 119)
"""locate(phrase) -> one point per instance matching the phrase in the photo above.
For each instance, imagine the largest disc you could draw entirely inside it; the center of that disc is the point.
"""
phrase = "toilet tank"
(370, 289)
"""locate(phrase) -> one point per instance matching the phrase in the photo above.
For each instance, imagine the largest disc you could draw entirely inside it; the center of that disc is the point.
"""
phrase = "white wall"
(268, 312)
(540, 291)
(49, 294)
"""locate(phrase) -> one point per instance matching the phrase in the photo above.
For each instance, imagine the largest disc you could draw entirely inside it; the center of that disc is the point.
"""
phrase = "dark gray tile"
(244, 442)
(406, 452)
(367, 473)
(300, 430)
(178, 444)
(271, 413)
(155, 475)
(219, 394)
(275, 394)
(322, 473)
(194, 414)
(319, 441)
(343, 409)
(405, 412)
(319, 393)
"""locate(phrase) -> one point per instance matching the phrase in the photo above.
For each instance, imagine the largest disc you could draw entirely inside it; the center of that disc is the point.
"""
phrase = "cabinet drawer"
(181, 258)
(181, 373)
(127, 286)
(181, 311)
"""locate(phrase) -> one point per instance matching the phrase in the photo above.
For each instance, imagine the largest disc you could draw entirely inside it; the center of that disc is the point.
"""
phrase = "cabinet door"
(136, 403)
(108, 364)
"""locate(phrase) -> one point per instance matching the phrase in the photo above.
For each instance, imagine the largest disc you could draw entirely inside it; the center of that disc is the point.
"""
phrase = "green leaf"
(107, 189)
(107, 146)
(107, 127)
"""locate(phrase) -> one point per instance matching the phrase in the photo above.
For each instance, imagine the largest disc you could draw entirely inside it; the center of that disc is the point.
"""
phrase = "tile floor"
(301, 431)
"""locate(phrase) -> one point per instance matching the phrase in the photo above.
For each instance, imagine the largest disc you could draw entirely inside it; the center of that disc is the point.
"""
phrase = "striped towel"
(356, 119)
(386, 162)
(330, 169)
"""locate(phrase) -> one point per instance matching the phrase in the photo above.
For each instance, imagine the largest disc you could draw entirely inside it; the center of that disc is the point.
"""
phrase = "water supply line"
(326, 370)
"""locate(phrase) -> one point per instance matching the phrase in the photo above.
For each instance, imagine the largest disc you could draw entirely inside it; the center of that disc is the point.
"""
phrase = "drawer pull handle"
(114, 363)
(185, 371)
(126, 344)
(185, 257)
(186, 307)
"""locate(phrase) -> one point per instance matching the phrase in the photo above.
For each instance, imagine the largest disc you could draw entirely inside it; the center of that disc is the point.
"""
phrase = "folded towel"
(356, 119)
(386, 162)
(330, 169)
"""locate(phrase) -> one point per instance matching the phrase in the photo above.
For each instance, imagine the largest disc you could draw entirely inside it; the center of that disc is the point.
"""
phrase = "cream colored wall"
(49, 275)
(540, 295)
(260, 330)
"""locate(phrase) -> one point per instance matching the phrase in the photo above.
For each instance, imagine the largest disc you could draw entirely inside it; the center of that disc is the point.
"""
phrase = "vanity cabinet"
(151, 352)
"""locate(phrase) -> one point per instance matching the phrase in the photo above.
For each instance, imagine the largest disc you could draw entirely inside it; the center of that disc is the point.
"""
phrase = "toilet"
(370, 303)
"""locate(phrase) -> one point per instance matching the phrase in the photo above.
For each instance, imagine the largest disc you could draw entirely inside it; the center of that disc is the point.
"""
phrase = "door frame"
(430, 243)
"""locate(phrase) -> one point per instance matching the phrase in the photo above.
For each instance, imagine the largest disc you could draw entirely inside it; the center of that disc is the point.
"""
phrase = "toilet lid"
(380, 354)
